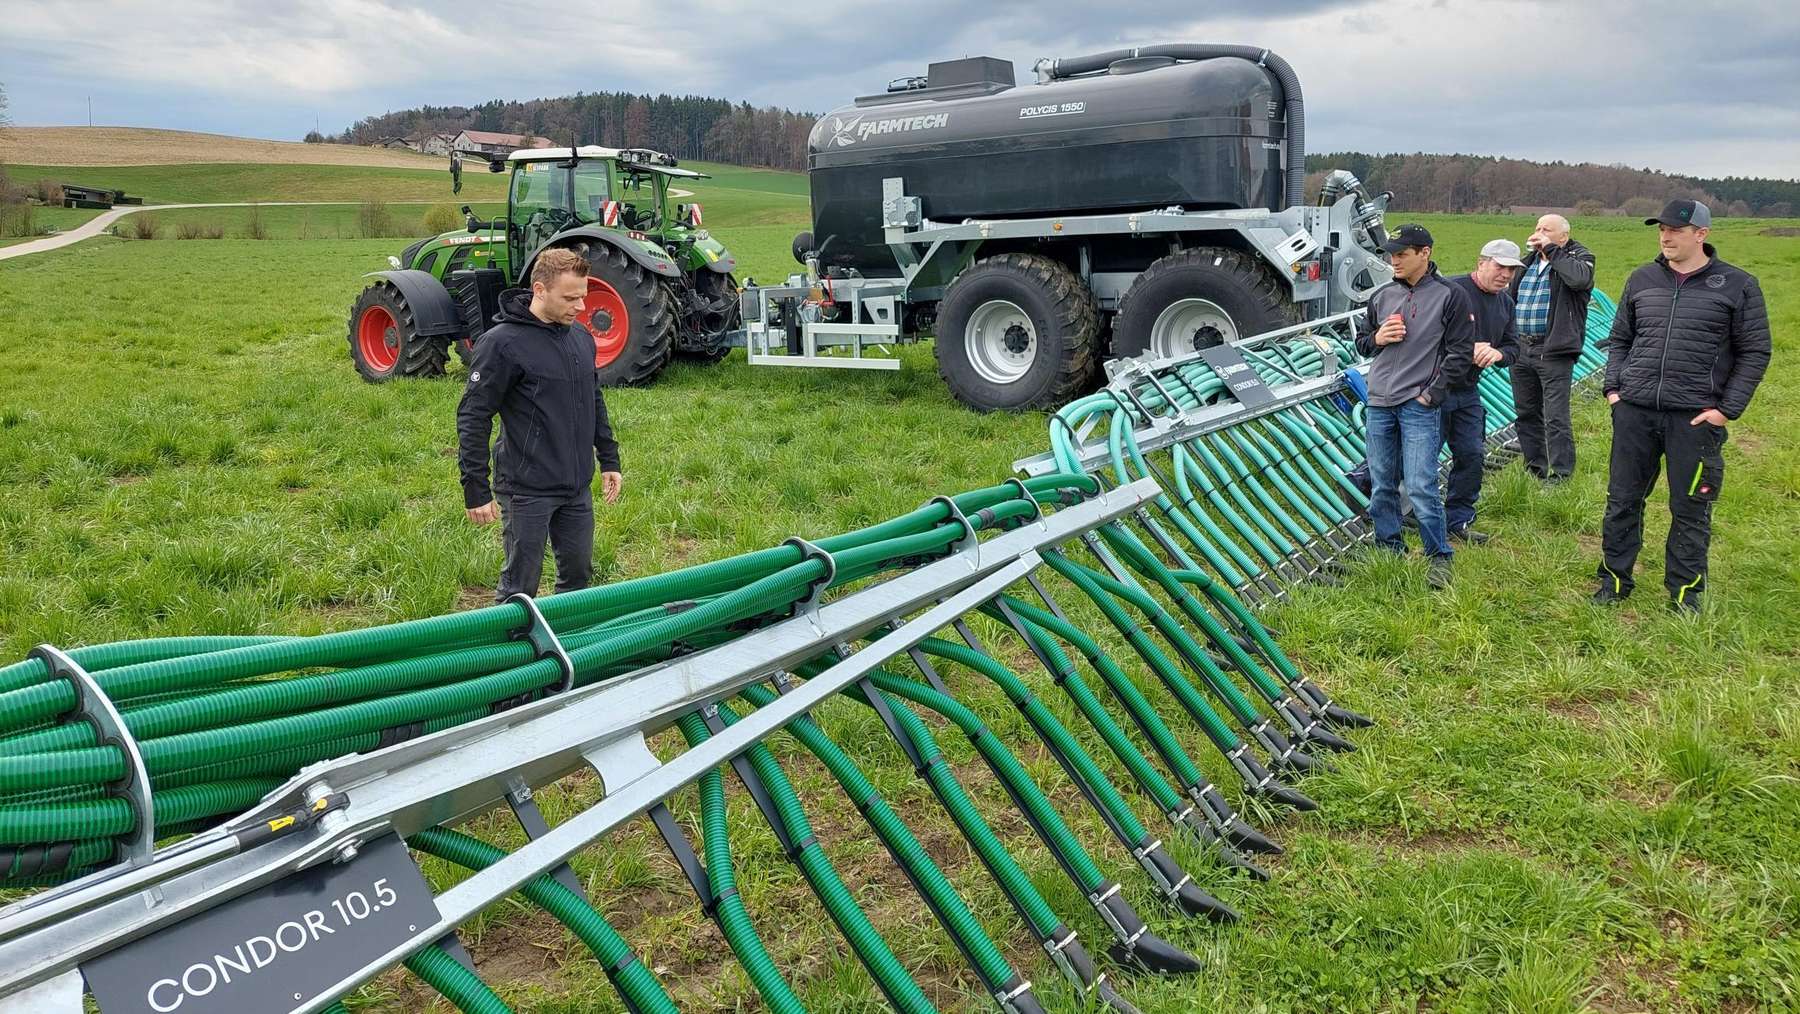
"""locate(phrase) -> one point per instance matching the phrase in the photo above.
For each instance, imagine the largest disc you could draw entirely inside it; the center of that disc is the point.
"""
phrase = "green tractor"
(658, 284)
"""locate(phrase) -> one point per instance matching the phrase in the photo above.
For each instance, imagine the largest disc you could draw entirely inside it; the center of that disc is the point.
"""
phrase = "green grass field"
(1561, 809)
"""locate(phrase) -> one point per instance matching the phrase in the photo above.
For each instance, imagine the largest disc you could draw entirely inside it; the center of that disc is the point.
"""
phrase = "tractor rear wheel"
(384, 338)
(630, 315)
(1199, 298)
(1017, 331)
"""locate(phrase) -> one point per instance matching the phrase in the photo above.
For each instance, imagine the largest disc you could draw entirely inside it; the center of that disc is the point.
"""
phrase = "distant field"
(758, 196)
(112, 146)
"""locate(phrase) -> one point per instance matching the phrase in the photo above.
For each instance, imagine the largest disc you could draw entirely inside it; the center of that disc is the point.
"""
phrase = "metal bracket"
(543, 638)
(1037, 509)
(92, 704)
(969, 543)
(532, 820)
(808, 551)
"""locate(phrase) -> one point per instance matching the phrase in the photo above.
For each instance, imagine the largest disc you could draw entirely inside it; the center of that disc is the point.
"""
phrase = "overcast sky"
(1690, 87)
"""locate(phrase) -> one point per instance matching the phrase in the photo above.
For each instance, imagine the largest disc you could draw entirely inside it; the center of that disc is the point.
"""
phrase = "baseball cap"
(1503, 251)
(1676, 214)
(1406, 236)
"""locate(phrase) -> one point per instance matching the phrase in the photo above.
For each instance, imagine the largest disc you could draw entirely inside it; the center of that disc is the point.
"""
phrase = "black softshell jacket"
(540, 379)
(1689, 344)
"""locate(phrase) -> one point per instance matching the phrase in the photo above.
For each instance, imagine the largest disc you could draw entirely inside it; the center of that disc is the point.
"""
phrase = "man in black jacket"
(1688, 347)
(1550, 297)
(536, 369)
(1464, 417)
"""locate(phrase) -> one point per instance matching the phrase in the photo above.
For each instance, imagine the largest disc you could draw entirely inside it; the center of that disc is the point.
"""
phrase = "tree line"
(1479, 183)
(717, 130)
(686, 126)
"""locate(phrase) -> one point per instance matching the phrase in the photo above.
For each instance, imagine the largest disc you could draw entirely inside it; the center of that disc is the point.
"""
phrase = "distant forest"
(686, 126)
(716, 130)
(1483, 183)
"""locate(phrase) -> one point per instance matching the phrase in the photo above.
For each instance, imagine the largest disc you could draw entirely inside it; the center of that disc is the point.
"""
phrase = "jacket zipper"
(1668, 334)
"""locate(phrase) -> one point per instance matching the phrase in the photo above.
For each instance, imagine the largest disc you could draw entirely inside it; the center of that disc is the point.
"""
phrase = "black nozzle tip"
(1345, 717)
(1196, 902)
(1246, 837)
(1152, 953)
(1329, 740)
(1292, 797)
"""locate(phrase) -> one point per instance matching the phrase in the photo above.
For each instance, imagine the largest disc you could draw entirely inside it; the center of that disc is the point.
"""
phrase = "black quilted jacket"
(1695, 343)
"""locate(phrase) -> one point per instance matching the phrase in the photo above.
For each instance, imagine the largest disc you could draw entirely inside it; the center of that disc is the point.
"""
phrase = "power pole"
(90, 99)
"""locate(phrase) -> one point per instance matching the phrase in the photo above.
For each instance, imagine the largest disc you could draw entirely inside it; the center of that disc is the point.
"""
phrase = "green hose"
(898, 838)
(633, 981)
(727, 907)
(889, 973)
(459, 985)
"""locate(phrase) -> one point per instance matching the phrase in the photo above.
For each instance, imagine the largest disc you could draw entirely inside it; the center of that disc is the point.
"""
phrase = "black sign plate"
(1246, 386)
(271, 950)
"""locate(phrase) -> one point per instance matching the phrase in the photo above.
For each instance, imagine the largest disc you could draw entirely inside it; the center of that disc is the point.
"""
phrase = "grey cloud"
(1674, 84)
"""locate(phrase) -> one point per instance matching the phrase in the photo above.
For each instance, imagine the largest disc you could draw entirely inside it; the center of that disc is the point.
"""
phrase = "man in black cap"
(1421, 340)
(1550, 292)
(1688, 347)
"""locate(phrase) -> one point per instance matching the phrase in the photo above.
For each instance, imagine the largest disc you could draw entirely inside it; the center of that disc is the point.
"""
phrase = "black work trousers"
(1643, 439)
(526, 522)
(1541, 388)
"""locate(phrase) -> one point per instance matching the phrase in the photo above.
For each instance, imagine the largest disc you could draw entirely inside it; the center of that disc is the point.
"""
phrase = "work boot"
(1686, 604)
(1464, 533)
(1437, 573)
(1608, 595)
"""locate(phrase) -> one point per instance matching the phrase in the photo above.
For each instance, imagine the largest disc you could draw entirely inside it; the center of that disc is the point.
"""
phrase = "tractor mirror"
(496, 167)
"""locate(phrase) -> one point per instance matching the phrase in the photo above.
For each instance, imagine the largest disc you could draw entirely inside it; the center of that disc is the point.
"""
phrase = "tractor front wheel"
(384, 338)
(630, 315)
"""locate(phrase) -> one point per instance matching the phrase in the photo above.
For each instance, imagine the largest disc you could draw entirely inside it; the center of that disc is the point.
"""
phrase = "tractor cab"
(555, 189)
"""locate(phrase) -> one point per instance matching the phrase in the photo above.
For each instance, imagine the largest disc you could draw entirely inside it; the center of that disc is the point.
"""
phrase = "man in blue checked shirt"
(1550, 303)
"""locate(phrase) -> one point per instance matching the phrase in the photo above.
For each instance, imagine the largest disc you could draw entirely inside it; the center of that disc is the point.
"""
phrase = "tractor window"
(592, 188)
(539, 205)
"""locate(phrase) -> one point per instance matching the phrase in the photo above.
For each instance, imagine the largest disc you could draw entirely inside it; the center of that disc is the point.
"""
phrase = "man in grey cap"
(1464, 417)
(1550, 296)
(1688, 347)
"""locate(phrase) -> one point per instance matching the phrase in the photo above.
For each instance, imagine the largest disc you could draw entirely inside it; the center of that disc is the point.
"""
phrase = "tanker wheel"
(710, 319)
(1199, 298)
(384, 338)
(630, 315)
(1017, 331)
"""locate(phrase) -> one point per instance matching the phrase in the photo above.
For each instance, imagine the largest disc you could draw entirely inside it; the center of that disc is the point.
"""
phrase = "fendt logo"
(846, 132)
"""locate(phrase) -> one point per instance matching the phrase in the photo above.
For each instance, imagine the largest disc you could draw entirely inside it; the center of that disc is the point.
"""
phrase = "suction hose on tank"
(1293, 109)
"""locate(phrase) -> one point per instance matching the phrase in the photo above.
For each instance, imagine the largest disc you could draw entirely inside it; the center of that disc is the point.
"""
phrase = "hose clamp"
(92, 704)
(809, 607)
(969, 543)
(544, 639)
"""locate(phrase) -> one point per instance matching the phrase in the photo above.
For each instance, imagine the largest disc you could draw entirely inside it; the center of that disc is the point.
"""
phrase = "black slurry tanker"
(1135, 203)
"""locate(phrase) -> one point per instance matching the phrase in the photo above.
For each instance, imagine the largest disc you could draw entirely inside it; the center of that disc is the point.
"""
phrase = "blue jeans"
(1464, 423)
(1403, 444)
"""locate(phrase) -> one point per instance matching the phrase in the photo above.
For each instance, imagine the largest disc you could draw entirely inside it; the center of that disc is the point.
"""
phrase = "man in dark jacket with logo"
(536, 369)
(1464, 417)
(1688, 347)
(1421, 338)
(1550, 298)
